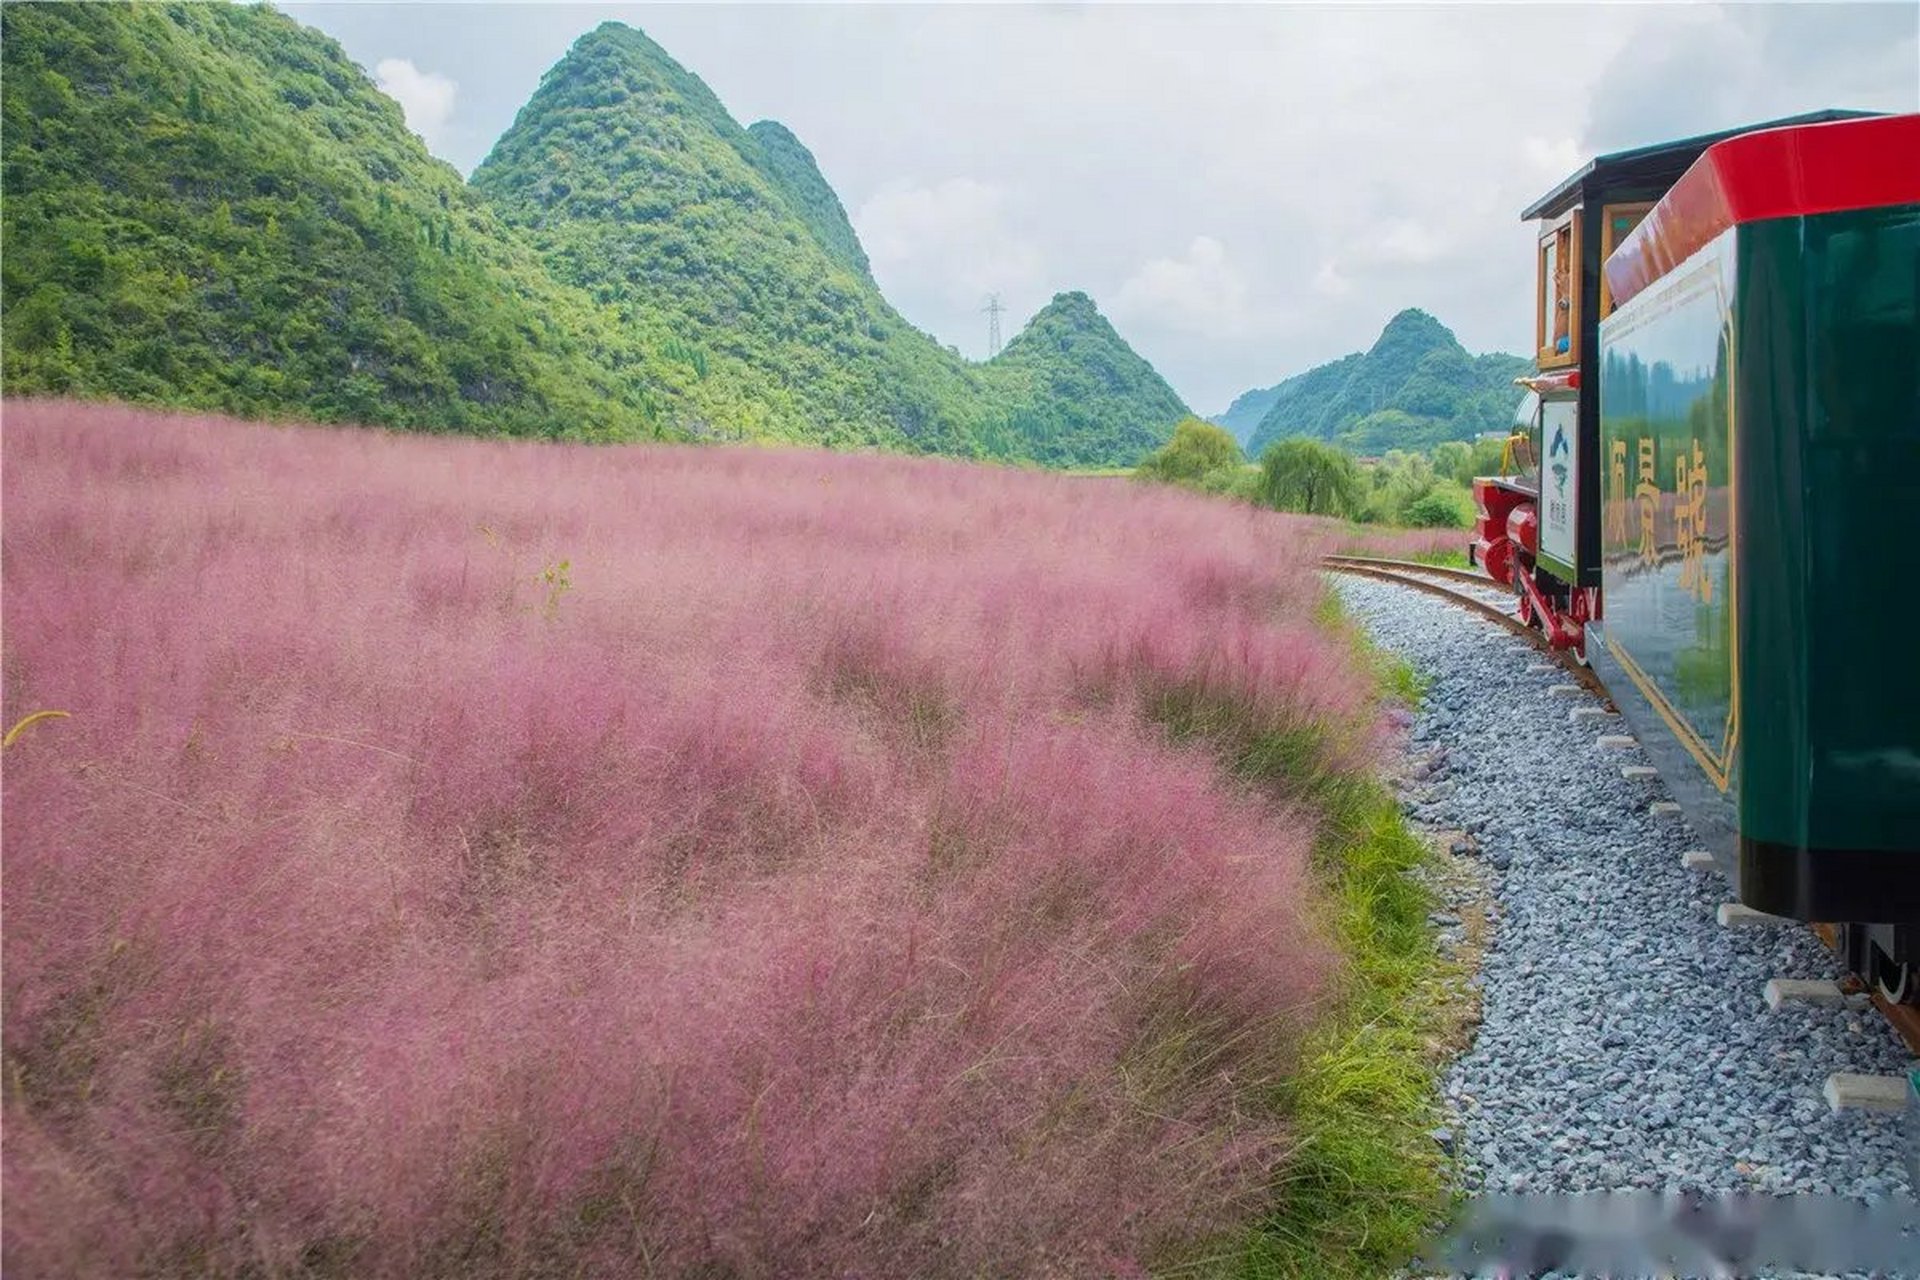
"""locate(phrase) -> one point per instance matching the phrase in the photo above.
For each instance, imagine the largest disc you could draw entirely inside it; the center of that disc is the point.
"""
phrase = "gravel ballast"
(1625, 1039)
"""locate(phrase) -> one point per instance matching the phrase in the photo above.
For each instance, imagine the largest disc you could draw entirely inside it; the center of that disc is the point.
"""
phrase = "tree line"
(1312, 477)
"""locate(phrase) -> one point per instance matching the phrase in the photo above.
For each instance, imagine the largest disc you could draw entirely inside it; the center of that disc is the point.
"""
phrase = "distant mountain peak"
(774, 131)
(623, 61)
(1414, 387)
(1072, 308)
(1071, 300)
(1413, 329)
(619, 35)
(1071, 311)
(1071, 370)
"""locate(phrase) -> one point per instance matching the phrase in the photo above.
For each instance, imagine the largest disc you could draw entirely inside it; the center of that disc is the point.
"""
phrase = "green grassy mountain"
(1075, 392)
(1415, 387)
(1242, 418)
(634, 182)
(790, 167)
(211, 206)
(1306, 394)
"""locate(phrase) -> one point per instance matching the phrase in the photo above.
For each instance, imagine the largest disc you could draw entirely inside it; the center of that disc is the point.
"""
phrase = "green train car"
(1724, 501)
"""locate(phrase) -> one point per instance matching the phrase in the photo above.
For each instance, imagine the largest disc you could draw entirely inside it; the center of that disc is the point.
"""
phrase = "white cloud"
(1404, 243)
(426, 97)
(1202, 293)
(1328, 280)
(1716, 67)
(956, 239)
(1351, 160)
(1551, 159)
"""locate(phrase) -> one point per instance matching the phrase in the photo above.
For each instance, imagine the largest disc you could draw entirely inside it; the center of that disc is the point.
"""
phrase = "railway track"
(1434, 579)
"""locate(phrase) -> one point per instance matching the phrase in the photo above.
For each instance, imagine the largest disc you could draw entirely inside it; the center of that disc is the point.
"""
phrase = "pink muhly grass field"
(1398, 544)
(792, 883)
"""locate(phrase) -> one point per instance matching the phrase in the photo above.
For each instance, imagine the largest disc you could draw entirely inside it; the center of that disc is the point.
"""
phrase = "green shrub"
(1462, 461)
(1439, 509)
(1241, 482)
(1197, 451)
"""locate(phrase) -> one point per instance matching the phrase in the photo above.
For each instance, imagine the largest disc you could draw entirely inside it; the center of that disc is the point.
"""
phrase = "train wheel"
(1522, 606)
(1896, 983)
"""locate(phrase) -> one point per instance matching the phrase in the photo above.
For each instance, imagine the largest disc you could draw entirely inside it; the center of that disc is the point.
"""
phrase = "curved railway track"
(1432, 579)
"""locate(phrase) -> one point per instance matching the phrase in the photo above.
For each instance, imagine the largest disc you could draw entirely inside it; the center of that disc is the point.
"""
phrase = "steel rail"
(1421, 577)
(1473, 576)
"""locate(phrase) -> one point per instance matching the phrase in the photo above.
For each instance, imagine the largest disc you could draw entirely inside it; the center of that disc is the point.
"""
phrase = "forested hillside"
(634, 182)
(789, 166)
(1305, 397)
(211, 206)
(1076, 392)
(1414, 388)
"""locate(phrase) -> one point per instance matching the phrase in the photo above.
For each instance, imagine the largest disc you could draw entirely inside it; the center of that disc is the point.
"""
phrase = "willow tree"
(1309, 477)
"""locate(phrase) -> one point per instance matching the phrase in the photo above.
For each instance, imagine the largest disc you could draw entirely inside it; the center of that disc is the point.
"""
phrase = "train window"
(1519, 456)
(1617, 222)
(1558, 330)
(1526, 411)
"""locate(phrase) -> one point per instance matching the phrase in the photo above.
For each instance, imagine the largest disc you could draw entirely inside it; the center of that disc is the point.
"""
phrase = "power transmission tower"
(993, 310)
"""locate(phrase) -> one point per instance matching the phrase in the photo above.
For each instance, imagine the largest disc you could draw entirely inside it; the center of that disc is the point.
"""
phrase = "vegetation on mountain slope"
(1074, 392)
(211, 206)
(1242, 418)
(636, 184)
(1414, 388)
(790, 167)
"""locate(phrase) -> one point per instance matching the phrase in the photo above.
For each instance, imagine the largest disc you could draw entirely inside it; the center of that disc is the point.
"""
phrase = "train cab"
(1537, 524)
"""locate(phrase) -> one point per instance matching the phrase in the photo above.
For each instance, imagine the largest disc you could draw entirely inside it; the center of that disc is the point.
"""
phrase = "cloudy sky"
(1245, 190)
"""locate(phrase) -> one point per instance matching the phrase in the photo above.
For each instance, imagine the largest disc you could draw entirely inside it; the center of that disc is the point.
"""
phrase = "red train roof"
(1776, 173)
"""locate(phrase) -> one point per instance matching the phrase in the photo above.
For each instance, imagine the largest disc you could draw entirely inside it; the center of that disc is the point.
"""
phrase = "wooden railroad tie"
(1868, 1093)
(1781, 991)
(1738, 915)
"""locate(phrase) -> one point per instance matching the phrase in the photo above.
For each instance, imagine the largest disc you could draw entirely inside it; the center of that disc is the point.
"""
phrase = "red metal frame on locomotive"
(1507, 537)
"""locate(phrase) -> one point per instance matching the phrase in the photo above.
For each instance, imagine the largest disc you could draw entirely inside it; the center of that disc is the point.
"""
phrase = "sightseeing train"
(1714, 499)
